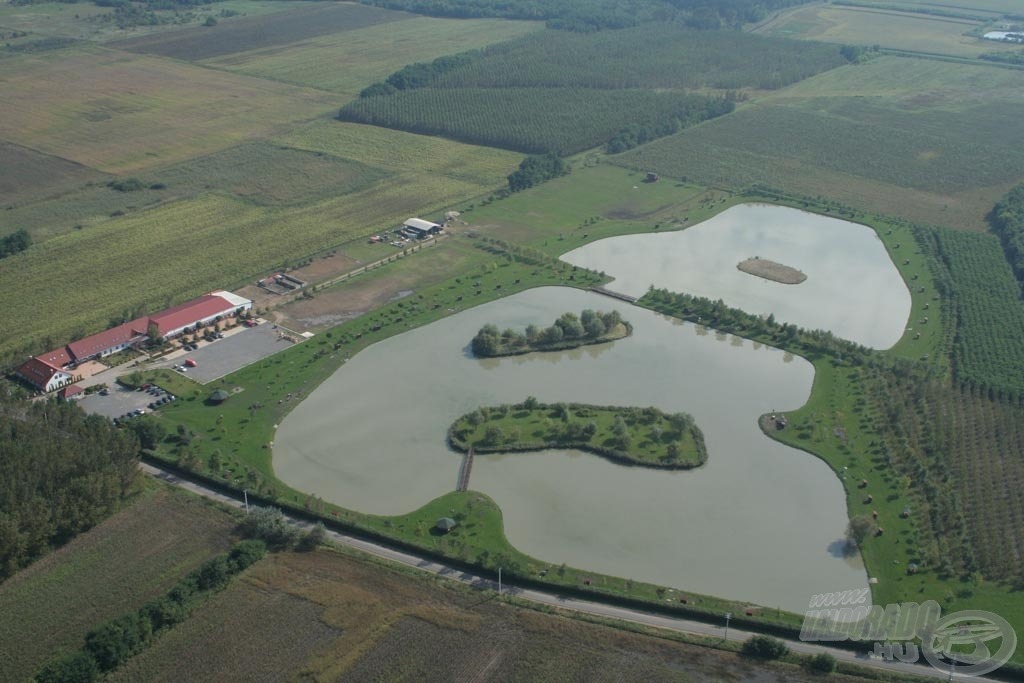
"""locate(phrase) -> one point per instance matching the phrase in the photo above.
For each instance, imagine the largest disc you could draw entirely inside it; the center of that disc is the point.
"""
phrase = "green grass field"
(920, 139)
(347, 62)
(130, 558)
(867, 26)
(123, 113)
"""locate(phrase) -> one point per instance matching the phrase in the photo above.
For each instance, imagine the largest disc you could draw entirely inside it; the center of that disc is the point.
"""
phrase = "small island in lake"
(770, 270)
(635, 436)
(568, 332)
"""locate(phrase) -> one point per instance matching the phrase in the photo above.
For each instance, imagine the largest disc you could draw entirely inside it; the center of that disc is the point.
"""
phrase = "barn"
(419, 228)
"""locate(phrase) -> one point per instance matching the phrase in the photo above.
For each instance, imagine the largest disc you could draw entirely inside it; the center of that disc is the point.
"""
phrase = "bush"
(246, 553)
(823, 663)
(271, 526)
(313, 538)
(115, 641)
(765, 647)
(79, 667)
(214, 574)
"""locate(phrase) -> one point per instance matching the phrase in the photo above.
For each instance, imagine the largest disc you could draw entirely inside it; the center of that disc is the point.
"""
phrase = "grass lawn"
(348, 62)
(116, 567)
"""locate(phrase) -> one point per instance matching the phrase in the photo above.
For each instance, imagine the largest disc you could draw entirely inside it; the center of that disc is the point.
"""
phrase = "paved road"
(560, 601)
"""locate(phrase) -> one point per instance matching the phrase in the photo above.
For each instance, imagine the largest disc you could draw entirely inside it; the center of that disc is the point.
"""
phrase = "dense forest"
(563, 93)
(534, 170)
(61, 472)
(1008, 223)
(594, 15)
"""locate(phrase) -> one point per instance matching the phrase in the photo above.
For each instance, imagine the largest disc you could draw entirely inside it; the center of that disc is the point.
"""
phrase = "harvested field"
(336, 618)
(922, 139)
(253, 33)
(349, 61)
(122, 113)
(259, 635)
(26, 175)
(366, 292)
(132, 557)
(870, 26)
(361, 622)
(770, 270)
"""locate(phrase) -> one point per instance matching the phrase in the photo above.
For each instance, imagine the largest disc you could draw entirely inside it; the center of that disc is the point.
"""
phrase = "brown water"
(853, 289)
(759, 522)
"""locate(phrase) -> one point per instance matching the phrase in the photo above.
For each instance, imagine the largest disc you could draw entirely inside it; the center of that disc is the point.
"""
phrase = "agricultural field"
(335, 618)
(26, 175)
(988, 349)
(148, 262)
(528, 94)
(913, 32)
(348, 61)
(88, 21)
(122, 113)
(921, 139)
(258, 172)
(260, 32)
(130, 558)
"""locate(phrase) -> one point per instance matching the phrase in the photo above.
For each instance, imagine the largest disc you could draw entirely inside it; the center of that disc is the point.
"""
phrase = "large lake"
(759, 522)
(852, 289)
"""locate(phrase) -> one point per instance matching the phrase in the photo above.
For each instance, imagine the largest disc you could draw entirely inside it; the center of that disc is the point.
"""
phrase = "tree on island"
(569, 327)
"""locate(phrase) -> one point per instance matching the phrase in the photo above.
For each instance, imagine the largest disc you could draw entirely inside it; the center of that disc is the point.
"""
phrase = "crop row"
(989, 346)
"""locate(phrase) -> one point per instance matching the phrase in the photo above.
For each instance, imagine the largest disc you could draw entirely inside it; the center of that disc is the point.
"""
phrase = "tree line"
(1008, 223)
(61, 472)
(586, 16)
(568, 330)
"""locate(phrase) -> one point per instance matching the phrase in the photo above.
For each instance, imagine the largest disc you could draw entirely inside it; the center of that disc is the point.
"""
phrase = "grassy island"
(771, 270)
(635, 436)
(568, 332)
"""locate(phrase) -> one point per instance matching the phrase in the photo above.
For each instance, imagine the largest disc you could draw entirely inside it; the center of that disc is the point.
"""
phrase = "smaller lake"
(853, 289)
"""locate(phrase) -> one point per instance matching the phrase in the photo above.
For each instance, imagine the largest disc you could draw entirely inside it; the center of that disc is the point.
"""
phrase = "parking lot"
(118, 402)
(235, 351)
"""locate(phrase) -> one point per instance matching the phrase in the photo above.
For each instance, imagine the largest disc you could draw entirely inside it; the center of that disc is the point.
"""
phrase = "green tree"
(764, 647)
(824, 663)
(79, 667)
(858, 529)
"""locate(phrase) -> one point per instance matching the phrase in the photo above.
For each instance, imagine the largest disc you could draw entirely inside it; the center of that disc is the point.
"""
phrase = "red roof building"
(109, 341)
(72, 392)
(43, 375)
(198, 311)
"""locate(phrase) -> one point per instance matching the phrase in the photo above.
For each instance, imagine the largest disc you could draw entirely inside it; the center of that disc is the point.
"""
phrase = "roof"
(73, 390)
(191, 312)
(219, 396)
(108, 339)
(58, 358)
(421, 224)
(38, 372)
(446, 523)
(233, 298)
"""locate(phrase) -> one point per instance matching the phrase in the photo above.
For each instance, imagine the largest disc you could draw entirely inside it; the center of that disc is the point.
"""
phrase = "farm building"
(47, 371)
(417, 227)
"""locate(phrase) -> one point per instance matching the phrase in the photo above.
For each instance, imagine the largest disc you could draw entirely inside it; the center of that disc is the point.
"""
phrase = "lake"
(853, 289)
(759, 522)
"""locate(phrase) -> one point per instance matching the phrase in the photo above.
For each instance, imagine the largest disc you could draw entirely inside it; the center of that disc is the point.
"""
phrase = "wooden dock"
(614, 295)
(467, 469)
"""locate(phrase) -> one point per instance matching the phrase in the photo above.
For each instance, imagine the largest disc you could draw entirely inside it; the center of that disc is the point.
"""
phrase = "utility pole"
(499, 580)
(728, 616)
(245, 492)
